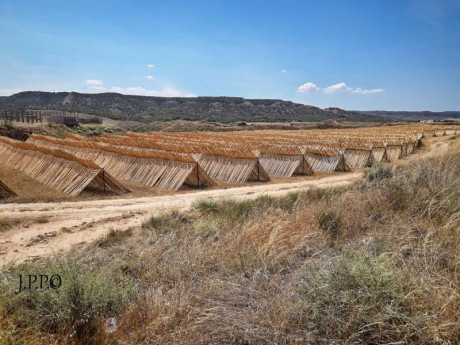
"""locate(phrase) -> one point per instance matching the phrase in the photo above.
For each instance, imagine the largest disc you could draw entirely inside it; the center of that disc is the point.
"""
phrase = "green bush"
(287, 203)
(321, 194)
(376, 210)
(426, 189)
(379, 172)
(330, 221)
(206, 206)
(400, 195)
(77, 309)
(357, 297)
(205, 227)
(237, 209)
(231, 209)
(164, 223)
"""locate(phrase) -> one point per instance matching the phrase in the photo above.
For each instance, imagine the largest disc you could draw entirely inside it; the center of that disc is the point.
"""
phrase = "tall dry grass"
(375, 263)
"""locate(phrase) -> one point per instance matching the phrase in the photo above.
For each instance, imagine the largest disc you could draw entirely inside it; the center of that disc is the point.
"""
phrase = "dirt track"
(47, 228)
(44, 229)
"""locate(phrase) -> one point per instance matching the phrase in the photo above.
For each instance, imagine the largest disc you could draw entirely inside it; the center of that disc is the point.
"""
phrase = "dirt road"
(44, 229)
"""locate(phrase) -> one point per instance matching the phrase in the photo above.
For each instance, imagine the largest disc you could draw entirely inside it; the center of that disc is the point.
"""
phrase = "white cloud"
(166, 92)
(284, 71)
(307, 87)
(337, 87)
(99, 88)
(150, 66)
(94, 82)
(140, 91)
(361, 91)
(9, 92)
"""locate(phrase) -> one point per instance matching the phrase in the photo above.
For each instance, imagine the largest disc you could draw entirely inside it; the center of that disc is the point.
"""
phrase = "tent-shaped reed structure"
(357, 155)
(228, 164)
(6, 191)
(439, 132)
(283, 162)
(360, 146)
(156, 169)
(393, 152)
(232, 169)
(326, 161)
(378, 154)
(56, 169)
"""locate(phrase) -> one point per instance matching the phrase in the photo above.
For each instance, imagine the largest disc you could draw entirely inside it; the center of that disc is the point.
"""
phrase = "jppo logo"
(34, 282)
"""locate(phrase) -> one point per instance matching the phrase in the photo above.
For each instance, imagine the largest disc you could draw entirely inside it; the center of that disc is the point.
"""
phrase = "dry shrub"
(114, 237)
(330, 221)
(378, 172)
(429, 188)
(358, 298)
(74, 312)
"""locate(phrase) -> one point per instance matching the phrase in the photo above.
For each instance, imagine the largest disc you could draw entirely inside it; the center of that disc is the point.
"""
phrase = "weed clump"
(322, 194)
(379, 172)
(357, 297)
(164, 223)
(429, 189)
(330, 221)
(114, 237)
(236, 210)
(206, 206)
(76, 310)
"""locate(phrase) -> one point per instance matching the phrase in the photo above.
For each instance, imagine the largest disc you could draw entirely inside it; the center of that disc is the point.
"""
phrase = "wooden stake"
(103, 177)
(258, 170)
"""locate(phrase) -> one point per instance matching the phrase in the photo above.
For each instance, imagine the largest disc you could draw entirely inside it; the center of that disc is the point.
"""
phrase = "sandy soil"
(43, 229)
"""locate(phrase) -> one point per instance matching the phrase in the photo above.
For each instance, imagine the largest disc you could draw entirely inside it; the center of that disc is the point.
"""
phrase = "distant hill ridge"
(419, 115)
(148, 109)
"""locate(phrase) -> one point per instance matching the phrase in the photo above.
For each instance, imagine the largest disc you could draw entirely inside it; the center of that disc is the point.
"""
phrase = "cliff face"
(148, 109)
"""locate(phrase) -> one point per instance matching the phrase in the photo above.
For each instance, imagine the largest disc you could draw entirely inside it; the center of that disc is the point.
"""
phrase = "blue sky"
(391, 55)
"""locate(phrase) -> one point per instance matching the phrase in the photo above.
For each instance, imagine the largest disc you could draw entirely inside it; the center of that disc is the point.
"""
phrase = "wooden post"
(258, 170)
(103, 177)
